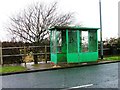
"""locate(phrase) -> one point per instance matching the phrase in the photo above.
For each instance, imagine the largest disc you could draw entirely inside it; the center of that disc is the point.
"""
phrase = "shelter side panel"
(88, 57)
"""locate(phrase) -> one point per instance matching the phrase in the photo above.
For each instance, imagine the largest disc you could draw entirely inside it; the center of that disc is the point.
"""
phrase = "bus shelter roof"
(73, 28)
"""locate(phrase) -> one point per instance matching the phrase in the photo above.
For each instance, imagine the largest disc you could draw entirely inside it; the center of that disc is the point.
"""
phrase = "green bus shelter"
(73, 44)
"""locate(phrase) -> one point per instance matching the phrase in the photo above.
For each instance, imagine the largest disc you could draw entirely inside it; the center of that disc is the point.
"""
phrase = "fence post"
(1, 59)
(45, 53)
(25, 56)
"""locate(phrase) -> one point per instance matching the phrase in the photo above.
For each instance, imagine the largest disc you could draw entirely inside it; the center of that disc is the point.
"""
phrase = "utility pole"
(1, 59)
(101, 42)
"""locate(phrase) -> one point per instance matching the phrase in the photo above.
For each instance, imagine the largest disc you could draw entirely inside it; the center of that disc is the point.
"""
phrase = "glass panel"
(93, 41)
(59, 41)
(64, 46)
(84, 41)
(53, 42)
(72, 41)
(80, 42)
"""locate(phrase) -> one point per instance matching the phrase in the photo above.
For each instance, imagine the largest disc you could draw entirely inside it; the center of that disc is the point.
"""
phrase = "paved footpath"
(43, 65)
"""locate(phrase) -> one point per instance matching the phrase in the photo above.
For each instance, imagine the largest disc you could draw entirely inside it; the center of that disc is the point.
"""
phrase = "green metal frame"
(78, 56)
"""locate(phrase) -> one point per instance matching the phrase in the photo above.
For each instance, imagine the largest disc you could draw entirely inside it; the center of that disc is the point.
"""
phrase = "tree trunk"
(35, 59)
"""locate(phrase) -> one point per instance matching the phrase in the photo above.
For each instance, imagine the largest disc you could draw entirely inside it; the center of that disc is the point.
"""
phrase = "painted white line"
(82, 86)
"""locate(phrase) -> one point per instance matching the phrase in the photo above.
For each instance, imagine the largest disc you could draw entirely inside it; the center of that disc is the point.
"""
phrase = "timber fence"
(11, 55)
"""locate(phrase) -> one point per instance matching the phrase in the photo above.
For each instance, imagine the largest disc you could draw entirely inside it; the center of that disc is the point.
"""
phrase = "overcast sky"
(86, 13)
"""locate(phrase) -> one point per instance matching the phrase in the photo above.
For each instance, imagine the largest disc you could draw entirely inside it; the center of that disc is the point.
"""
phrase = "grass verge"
(112, 58)
(8, 69)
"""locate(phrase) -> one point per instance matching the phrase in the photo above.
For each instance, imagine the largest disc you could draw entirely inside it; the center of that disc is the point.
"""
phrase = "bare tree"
(32, 24)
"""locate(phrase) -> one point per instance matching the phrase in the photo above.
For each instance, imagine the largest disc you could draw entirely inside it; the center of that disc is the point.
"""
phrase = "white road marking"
(82, 86)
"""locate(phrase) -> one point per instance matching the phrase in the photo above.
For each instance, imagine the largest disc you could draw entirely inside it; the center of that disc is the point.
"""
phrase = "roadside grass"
(112, 58)
(8, 69)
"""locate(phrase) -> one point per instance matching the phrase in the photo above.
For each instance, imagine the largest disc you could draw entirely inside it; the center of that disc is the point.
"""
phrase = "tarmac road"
(97, 76)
